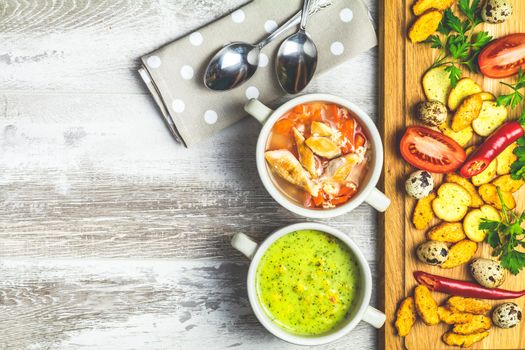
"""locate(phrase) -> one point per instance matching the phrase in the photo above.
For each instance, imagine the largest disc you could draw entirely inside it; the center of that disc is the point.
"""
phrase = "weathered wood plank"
(83, 174)
(125, 304)
(94, 45)
(104, 220)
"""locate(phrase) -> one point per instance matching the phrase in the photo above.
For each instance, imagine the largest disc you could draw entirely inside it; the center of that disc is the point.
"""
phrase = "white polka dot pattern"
(263, 60)
(238, 16)
(153, 61)
(270, 25)
(186, 72)
(196, 39)
(252, 92)
(210, 117)
(337, 48)
(178, 106)
(346, 15)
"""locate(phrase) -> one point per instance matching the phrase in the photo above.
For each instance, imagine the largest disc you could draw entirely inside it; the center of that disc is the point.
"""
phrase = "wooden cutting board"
(402, 67)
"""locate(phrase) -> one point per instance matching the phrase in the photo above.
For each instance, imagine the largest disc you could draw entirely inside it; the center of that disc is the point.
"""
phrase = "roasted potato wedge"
(486, 96)
(426, 306)
(460, 253)
(479, 323)
(465, 341)
(405, 317)
(508, 184)
(464, 88)
(420, 6)
(449, 317)
(451, 203)
(423, 213)
(476, 200)
(486, 175)
(470, 305)
(489, 118)
(505, 159)
(467, 111)
(424, 26)
(449, 232)
(462, 137)
(489, 194)
(436, 84)
(473, 219)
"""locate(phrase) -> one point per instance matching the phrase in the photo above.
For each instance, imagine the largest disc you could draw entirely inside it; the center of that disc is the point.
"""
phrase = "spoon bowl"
(231, 66)
(297, 57)
(296, 62)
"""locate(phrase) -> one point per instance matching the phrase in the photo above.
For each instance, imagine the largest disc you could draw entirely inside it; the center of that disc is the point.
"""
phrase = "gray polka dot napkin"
(174, 73)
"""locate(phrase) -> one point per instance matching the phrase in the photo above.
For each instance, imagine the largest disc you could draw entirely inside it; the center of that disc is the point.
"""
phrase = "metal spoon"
(237, 62)
(297, 58)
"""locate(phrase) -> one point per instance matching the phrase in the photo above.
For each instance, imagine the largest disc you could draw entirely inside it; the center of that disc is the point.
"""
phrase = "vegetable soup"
(317, 154)
(308, 282)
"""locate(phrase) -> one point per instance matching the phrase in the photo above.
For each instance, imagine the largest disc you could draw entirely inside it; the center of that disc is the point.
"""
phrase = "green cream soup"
(307, 282)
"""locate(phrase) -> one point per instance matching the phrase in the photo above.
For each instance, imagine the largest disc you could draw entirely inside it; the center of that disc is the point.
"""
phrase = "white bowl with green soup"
(308, 283)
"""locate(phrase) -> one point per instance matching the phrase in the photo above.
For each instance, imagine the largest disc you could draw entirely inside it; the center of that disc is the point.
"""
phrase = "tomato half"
(503, 57)
(431, 150)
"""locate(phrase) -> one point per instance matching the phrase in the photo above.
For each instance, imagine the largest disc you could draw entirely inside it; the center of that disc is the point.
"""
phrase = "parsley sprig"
(505, 236)
(457, 42)
(512, 100)
(515, 97)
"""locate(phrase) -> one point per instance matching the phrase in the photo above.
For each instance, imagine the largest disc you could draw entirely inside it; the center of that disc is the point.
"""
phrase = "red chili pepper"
(463, 288)
(496, 143)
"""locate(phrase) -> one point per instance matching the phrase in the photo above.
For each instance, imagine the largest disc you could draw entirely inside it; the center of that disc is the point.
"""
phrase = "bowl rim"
(375, 168)
(366, 286)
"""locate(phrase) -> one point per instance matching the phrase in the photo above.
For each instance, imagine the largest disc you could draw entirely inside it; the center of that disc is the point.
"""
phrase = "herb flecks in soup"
(307, 282)
(318, 154)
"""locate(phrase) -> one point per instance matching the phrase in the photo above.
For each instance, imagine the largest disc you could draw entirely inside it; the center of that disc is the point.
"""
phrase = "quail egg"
(488, 273)
(507, 315)
(432, 252)
(496, 11)
(432, 113)
(419, 184)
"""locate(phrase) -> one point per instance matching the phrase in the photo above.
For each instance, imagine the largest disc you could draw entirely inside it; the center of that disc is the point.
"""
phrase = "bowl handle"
(258, 110)
(244, 244)
(374, 317)
(378, 200)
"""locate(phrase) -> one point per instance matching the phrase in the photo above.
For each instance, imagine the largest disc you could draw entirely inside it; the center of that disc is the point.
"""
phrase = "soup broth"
(317, 155)
(307, 282)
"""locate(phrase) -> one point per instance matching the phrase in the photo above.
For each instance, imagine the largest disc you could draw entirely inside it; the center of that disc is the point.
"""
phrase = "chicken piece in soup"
(317, 155)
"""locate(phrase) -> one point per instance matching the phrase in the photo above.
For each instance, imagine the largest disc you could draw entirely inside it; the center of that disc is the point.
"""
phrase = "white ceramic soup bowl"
(362, 311)
(367, 191)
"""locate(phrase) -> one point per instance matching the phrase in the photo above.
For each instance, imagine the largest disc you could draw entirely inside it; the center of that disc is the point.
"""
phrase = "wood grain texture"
(111, 235)
(402, 86)
(392, 110)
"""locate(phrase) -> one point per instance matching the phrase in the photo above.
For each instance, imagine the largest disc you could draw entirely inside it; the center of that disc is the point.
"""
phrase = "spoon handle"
(293, 21)
(306, 13)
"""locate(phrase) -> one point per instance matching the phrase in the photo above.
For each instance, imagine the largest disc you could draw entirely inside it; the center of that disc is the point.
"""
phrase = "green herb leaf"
(505, 236)
(452, 22)
(516, 97)
(454, 74)
(480, 40)
(435, 42)
(469, 9)
(513, 261)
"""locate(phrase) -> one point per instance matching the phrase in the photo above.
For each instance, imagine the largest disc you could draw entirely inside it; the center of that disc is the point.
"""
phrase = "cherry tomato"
(431, 150)
(503, 57)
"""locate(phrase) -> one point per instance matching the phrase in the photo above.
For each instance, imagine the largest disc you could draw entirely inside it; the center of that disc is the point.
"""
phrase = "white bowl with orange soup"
(319, 155)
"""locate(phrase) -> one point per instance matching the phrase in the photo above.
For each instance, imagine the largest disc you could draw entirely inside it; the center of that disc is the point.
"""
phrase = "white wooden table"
(112, 236)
